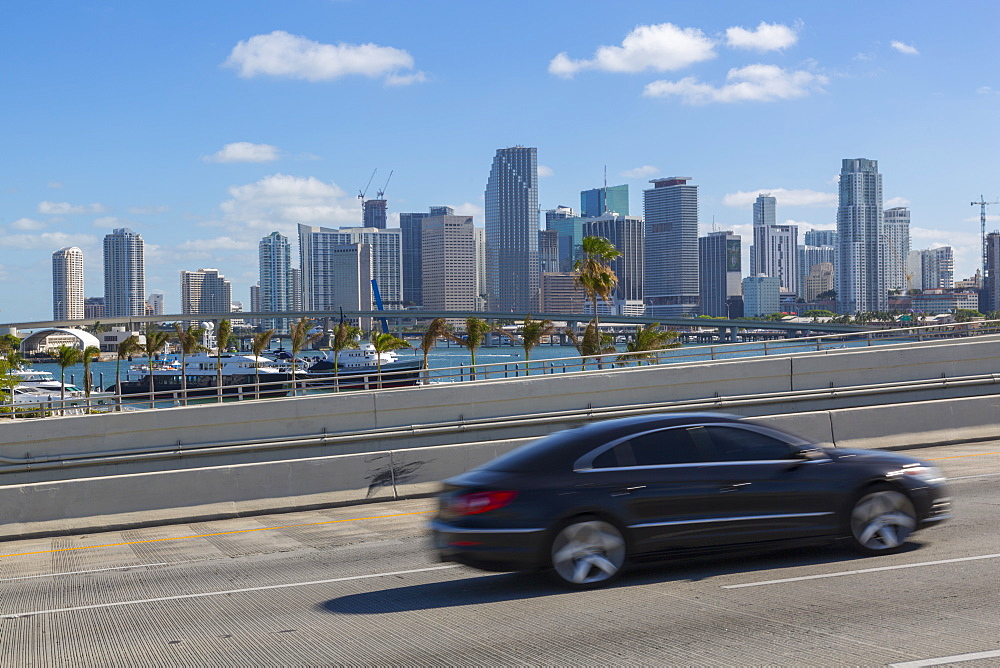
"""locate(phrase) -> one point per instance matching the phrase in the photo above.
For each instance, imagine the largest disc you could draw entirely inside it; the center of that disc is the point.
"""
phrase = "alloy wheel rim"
(883, 520)
(588, 552)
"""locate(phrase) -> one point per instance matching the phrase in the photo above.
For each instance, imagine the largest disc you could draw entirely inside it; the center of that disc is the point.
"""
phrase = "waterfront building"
(937, 268)
(93, 307)
(896, 222)
(990, 300)
(124, 274)
(512, 231)
(205, 291)
(914, 269)
(596, 202)
(386, 261)
(775, 247)
(560, 293)
(626, 233)
(67, 284)
(819, 280)
(449, 263)
(720, 271)
(861, 285)
(274, 262)
(670, 286)
(761, 296)
(155, 304)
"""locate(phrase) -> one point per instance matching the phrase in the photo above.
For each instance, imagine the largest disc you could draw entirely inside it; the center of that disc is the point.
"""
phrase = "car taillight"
(480, 502)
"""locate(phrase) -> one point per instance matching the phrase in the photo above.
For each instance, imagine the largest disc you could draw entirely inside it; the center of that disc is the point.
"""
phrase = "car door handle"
(733, 488)
(627, 490)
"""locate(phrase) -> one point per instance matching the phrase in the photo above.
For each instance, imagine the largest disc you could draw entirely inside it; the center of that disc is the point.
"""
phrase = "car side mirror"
(807, 454)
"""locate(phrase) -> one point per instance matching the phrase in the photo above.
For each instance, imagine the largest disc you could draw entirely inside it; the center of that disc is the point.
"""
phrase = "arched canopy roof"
(79, 338)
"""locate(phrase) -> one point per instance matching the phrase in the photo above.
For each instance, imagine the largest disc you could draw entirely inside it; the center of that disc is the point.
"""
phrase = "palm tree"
(591, 344)
(260, 342)
(126, 349)
(475, 332)
(383, 342)
(89, 353)
(300, 338)
(189, 341)
(344, 337)
(155, 342)
(594, 272)
(9, 379)
(66, 356)
(532, 332)
(647, 339)
(438, 328)
(222, 336)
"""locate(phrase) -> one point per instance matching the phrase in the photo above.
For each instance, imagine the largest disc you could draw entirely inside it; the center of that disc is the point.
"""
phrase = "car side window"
(733, 444)
(666, 446)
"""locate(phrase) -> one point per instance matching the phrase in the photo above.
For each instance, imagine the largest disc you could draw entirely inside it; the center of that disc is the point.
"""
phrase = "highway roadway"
(358, 585)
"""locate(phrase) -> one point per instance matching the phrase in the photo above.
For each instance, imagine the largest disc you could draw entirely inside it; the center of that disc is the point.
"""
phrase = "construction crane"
(362, 193)
(982, 229)
(380, 194)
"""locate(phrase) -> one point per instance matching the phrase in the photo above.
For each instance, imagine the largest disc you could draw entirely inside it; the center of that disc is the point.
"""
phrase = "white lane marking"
(96, 570)
(957, 658)
(861, 570)
(116, 604)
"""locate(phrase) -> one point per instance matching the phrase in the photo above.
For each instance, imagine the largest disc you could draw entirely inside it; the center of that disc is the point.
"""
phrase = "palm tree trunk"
(118, 382)
(184, 378)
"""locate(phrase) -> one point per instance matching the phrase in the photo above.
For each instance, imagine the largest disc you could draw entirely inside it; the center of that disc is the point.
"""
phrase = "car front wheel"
(881, 520)
(587, 552)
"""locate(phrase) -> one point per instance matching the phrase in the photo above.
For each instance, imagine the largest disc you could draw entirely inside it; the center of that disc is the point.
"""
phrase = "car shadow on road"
(480, 588)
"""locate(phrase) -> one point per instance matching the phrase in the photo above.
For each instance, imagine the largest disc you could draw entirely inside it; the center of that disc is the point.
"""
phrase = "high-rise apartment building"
(820, 238)
(670, 287)
(274, 261)
(937, 268)
(67, 284)
(205, 291)
(155, 303)
(720, 270)
(861, 250)
(596, 202)
(124, 274)
(479, 234)
(449, 263)
(560, 293)
(297, 300)
(765, 210)
(374, 213)
(385, 253)
(775, 247)
(512, 231)
(761, 296)
(626, 233)
(896, 223)
(93, 307)
(327, 259)
(818, 281)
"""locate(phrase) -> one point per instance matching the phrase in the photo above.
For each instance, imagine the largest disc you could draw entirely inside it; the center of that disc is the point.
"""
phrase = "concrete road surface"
(358, 585)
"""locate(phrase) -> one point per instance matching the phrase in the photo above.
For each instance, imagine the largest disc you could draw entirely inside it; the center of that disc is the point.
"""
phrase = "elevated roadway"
(357, 585)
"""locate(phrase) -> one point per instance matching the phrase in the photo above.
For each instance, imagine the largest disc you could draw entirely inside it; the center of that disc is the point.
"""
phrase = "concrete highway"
(358, 585)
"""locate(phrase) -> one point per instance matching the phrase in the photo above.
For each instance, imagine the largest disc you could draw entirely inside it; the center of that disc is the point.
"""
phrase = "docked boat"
(358, 368)
(240, 374)
(45, 383)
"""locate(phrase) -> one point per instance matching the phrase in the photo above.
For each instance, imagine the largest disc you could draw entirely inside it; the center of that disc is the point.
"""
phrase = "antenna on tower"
(605, 190)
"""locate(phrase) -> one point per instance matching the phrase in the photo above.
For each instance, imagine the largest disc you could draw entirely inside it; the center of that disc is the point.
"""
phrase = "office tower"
(761, 296)
(327, 259)
(937, 268)
(480, 237)
(93, 307)
(385, 253)
(818, 281)
(670, 287)
(775, 247)
(820, 238)
(67, 284)
(558, 213)
(124, 274)
(861, 251)
(598, 201)
(896, 223)
(548, 251)
(274, 260)
(411, 238)
(560, 294)
(449, 263)
(512, 231)
(720, 270)
(570, 231)
(625, 232)
(990, 295)
(205, 291)
(374, 213)
(155, 303)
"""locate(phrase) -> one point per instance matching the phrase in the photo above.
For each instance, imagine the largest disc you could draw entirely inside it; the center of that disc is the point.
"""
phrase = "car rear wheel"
(881, 520)
(587, 552)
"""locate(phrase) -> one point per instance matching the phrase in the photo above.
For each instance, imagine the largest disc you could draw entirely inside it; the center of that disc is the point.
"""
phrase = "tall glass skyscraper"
(671, 250)
(625, 232)
(598, 201)
(720, 266)
(124, 274)
(274, 255)
(512, 231)
(861, 250)
(67, 284)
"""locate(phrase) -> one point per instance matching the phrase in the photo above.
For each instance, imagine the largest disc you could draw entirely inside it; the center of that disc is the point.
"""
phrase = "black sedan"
(583, 502)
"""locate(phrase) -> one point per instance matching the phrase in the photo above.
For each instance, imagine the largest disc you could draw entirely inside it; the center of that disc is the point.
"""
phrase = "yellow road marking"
(221, 533)
(980, 454)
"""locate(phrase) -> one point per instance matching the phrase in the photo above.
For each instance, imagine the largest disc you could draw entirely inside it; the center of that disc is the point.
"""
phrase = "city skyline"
(203, 145)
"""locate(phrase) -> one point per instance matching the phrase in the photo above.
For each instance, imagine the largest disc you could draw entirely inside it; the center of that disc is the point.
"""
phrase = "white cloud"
(218, 244)
(902, 47)
(753, 83)
(281, 201)
(110, 222)
(405, 79)
(244, 151)
(864, 57)
(470, 209)
(896, 201)
(27, 224)
(765, 37)
(56, 184)
(148, 210)
(659, 47)
(744, 199)
(640, 172)
(46, 240)
(544, 171)
(985, 90)
(281, 54)
(65, 208)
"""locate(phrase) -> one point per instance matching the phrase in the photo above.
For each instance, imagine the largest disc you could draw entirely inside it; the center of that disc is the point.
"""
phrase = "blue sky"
(204, 126)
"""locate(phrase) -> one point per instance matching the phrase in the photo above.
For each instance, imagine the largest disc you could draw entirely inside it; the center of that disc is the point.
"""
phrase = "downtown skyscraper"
(124, 274)
(512, 231)
(670, 287)
(861, 248)
(896, 224)
(67, 284)
(205, 291)
(775, 247)
(274, 256)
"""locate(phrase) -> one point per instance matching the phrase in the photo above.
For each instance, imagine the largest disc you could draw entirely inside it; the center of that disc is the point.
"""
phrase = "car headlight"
(925, 473)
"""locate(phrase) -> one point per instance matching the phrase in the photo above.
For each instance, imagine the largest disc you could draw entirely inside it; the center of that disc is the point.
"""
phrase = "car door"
(767, 489)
